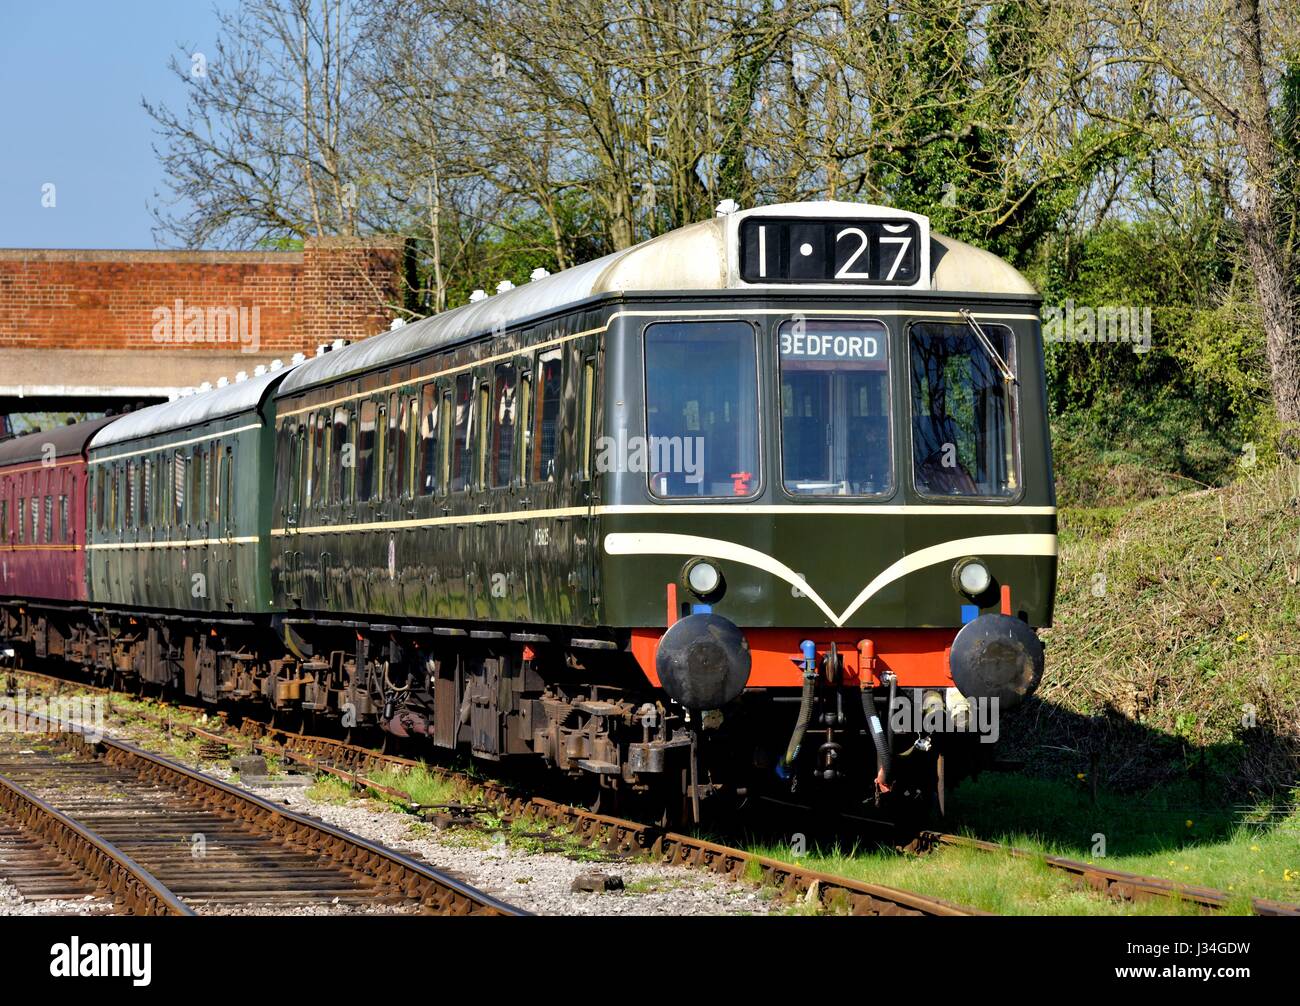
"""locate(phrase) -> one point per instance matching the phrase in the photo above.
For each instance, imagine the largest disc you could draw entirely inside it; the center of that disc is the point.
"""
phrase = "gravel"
(13, 903)
(513, 871)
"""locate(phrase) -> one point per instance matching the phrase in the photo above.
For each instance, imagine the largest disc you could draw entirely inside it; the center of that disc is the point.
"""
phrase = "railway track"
(1114, 883)
(618, 836)
(164, 839)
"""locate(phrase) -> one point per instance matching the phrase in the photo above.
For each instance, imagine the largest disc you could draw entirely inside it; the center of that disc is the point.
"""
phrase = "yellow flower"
(1218, 558)
(1254, 848)
(1243, 637)
(1286, 875)
(1188, 822)
(1081, 775)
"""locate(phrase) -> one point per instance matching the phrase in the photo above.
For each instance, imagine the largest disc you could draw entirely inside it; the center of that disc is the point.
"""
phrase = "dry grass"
(1184, 661)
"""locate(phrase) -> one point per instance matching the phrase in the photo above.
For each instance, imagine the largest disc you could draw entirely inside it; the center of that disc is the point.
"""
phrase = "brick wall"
(198, 301)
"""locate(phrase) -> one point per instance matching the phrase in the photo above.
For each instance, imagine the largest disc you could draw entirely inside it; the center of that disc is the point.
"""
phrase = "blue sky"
(72, 73)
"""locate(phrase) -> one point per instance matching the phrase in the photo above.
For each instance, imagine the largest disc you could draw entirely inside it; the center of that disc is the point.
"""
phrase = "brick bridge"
(92, 330)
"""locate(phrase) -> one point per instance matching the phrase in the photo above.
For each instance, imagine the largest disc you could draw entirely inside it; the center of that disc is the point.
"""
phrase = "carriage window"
(428, 453)
(128, 512)
(588, 407)
(64, 526)
(216, 476)
(522, 417)
(366, 451)
(835, 408)
(504, 418)
(963, 413)
(396, 461)
(4, 521)
(549, 393)
(484, 425)
(228, 485)
(319, 452)
(338, 441)
(21, 516)
(48, 527)
(462, 458)
(701, 408)
(146, 490)
(179, 464)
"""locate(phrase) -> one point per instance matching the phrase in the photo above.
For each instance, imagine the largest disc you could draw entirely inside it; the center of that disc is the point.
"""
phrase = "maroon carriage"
(43, 514)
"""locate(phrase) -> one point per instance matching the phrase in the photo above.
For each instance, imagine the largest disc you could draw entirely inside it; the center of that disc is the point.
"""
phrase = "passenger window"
(339, 439)
(588, 407)
(462, 459)
(550, 392)
(395, 460)
(701, 382)
(22, 519)
(179, 472)
(99, 497)
(504, 419)
(64, 527)
(146, 490)
(523, 424)
(366, 451)
(293, 432)
(316, 493)
(484, 433)
(4, 521)
(129, 512)
(216, 463)
(48, 527)
(428, 461)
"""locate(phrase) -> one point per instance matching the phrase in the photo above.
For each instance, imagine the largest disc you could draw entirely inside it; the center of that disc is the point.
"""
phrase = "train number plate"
(801, 250)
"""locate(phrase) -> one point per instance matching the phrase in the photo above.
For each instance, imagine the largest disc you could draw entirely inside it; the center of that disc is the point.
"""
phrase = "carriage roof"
(190, 410)
(698, 257)
(66, 440)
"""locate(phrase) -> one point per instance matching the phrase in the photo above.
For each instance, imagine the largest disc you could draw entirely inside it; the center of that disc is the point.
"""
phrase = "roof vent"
(396, 324)
(338, 344)
(322, 349)
(222, 381)
(539, 273)
(505, 285)
(477, 295)
(259, 370)
(277, 364)
(727, 207)
(205, 386)
(298, 358)
(241, 377)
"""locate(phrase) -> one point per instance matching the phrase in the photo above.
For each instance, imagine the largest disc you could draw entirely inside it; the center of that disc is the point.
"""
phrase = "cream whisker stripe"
(190, 543)
(173, 444)
(711, 312)
(654, 543)
(666, 510)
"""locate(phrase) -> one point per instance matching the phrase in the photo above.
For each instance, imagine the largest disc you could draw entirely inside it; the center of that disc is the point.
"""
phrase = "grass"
(426, 788)
(330, 789)
(1175, 652)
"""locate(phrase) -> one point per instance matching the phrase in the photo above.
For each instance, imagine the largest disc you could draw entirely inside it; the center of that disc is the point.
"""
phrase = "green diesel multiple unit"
(763, 503)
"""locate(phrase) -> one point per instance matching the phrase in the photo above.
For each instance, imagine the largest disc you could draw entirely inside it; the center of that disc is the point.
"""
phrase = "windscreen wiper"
(987, 343)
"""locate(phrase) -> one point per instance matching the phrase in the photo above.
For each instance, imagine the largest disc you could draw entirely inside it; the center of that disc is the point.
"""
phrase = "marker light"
(703, 577)
(973, 577)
